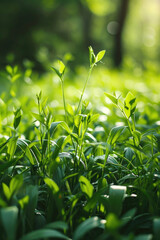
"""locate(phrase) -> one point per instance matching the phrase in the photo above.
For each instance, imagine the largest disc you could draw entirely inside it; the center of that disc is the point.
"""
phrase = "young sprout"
(93, 60)
(60, 73)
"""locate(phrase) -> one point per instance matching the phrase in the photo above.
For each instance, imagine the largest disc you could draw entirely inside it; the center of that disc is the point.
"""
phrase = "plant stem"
(64, 102)
(87, 79)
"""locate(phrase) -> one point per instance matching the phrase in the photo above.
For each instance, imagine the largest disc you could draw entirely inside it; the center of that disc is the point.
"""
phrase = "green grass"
(82, 165)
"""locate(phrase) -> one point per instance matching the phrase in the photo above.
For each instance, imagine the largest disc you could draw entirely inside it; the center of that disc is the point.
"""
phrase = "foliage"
(70, 175)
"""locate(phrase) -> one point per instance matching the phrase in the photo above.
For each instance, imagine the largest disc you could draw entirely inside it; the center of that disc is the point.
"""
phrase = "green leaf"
(38, 117)
(53, 127)
(15, 69)
(60, 71)
(77, 120)
(86, 186)
(6, 165)
(45, 143)
(128, 216)
(112, 160)
(44, 103)
(16, 183)
(35, 151)
(66, 127)
(9, 69)
(137, 137)
(15, 77)
(65, 155)
(3, 203)
(94, 117)
(129, 153)
(39, 96)
(30, 150)
(52, 185)
(57, 225)
(28, 73)
(92, 57)
(112, 222)
(57, 147)
(12, 145)
(17, 117)
(156, 228)
(57, 72)
(129, 104)
(112, 98)
(100, 55)
(32, 192)
(125, 134)
(116, 196)
(90, 137)
(29, 155)
(95, 199)
(71, 175)
(6, 191)
(61, 67)
(103, 184)
(9, 217)
(127, 177)
(3, 145)
(43, 234)
(69, 109)
(24, 201)
(144, 237)
(114, 134)
(88, 225)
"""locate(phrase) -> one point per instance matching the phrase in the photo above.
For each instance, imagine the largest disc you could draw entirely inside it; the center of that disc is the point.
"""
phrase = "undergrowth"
(79, 178)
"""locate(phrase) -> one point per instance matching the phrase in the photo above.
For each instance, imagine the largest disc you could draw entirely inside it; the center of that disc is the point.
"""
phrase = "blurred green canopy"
(34, 33)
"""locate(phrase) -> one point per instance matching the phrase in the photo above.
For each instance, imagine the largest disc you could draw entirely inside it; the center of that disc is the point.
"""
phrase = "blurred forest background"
(33, 33)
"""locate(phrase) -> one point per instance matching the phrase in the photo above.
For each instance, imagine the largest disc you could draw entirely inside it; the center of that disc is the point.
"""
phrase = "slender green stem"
(133, 121)
(41, 135)
(130, 127)
(64, 102)
(49, 148)
(124, 158)
(87, 79)
(108, 150)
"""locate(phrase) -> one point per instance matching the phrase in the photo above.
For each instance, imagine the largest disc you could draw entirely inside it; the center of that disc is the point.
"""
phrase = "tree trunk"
(118, 48)
(86, 17)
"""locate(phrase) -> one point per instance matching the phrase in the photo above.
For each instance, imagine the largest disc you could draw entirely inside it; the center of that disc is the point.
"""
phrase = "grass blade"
(43, 234)
(88, 225)
(9, 216)
(116, 196)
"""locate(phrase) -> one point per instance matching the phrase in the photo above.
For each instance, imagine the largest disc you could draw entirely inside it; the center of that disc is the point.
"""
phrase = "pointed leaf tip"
(62, 67)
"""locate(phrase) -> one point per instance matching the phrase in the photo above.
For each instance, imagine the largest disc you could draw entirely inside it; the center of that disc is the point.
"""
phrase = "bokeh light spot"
(113, 27)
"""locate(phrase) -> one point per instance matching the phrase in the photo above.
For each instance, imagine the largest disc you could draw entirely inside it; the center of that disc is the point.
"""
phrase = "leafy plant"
(88, 173)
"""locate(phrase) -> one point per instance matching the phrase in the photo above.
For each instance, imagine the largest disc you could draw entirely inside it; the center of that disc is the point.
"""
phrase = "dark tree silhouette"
(86, 19)
(118, 48)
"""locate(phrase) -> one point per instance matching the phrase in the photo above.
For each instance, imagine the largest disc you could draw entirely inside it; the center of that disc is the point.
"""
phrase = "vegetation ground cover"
(82, 166)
